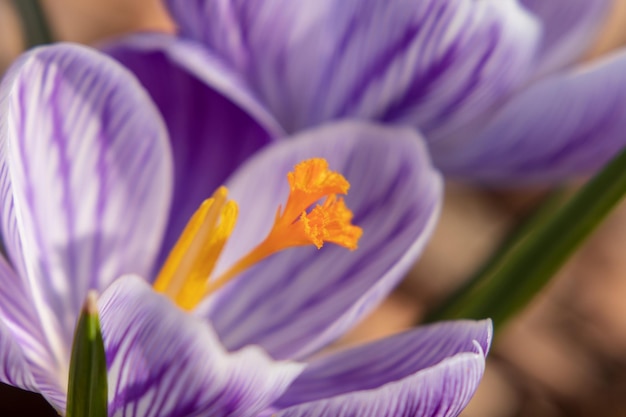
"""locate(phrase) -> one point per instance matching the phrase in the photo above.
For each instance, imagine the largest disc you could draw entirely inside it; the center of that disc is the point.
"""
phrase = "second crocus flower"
(490, 84)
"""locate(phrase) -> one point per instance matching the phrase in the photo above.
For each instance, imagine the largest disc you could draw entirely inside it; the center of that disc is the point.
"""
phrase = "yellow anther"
(186, 275)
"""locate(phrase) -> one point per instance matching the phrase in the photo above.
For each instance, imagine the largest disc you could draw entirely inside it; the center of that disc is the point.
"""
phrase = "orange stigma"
(186, 275)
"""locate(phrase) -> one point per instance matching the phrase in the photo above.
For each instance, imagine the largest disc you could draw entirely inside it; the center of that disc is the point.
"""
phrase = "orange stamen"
(185, 275)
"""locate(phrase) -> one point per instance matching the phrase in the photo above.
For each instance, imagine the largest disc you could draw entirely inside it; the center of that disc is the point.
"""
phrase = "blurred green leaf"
(527, 262)
(87, 388)
(35, 25)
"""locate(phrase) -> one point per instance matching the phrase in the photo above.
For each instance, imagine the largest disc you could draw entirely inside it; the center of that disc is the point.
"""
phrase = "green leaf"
(87, 388)
(36, 27)
(526, 263)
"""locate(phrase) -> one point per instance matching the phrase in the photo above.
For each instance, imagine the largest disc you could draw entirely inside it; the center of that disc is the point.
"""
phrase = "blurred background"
(565, 355)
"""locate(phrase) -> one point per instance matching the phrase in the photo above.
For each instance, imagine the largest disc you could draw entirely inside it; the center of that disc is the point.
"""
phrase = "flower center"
(186, 277)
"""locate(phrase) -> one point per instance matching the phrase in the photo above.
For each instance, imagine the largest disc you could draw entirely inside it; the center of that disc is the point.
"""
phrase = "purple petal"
(568, 28)
(165, 363)
(214, 123)
(566, 125)
(441, 391)
(422, 63)
(300, 299)
(14, 369)
(372, 365)
(27, 357)
(86, 180)
(432, 371)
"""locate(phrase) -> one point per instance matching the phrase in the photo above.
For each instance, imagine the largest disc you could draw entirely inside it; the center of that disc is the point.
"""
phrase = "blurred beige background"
(564, 356)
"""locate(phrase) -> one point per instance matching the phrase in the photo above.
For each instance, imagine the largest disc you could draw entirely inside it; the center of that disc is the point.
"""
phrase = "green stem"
(35, 25)
(527, 262)
(534, 221)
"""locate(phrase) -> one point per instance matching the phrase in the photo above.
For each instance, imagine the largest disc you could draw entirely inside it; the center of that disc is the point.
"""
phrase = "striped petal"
(569, 27)
(427, 63)
(27, 359)
(86, 181)
(298, 300)
(566, 125)
(214, 123)
(165, 363)
(14, 368)
(431, 371)
(375, 364)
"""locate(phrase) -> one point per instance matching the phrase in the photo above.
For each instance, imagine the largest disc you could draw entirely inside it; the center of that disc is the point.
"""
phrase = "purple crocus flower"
(490, 84)
(90, 185)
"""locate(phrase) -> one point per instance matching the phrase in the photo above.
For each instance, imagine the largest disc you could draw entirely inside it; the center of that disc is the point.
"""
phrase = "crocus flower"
(90, 187)
(492, 85)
